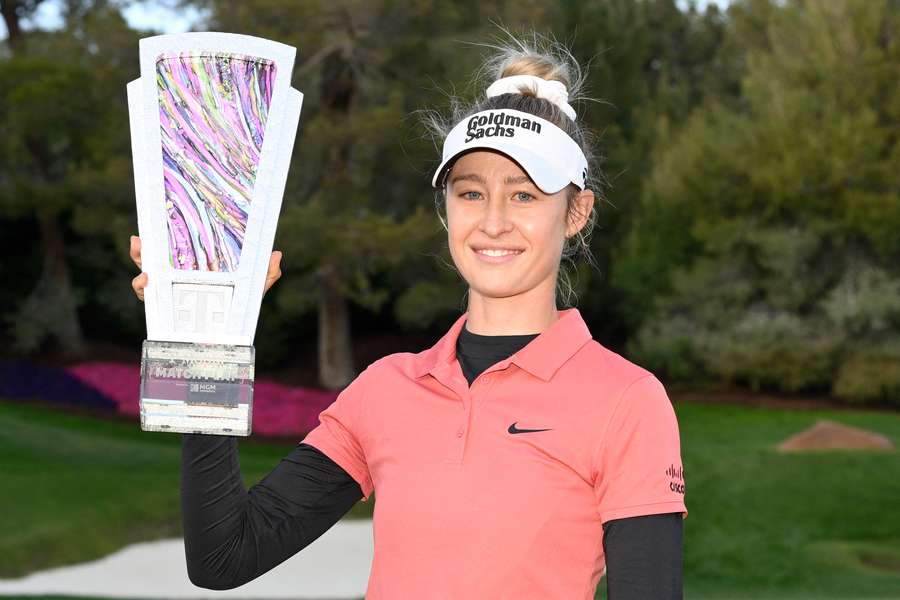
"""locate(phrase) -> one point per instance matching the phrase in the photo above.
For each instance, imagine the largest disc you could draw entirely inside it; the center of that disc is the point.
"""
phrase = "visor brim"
(548, 177)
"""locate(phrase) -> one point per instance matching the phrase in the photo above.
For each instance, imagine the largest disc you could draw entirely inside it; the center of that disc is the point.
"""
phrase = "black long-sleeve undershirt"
(233, 535)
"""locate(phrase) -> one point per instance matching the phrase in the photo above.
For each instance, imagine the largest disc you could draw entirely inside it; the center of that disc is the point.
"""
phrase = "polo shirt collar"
(541, 357)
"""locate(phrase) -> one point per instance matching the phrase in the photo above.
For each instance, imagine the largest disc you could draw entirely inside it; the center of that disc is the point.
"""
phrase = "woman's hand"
(140, 282)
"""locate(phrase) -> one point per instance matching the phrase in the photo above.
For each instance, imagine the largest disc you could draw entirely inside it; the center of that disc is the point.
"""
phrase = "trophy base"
(197, 388)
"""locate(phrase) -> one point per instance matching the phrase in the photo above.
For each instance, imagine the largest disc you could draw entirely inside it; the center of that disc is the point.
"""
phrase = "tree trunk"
(335, 352)
(336, 370)
(11, 19)
(66, 327)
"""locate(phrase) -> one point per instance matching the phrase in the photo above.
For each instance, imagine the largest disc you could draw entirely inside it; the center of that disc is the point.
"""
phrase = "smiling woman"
(525, 136)
(514, 195)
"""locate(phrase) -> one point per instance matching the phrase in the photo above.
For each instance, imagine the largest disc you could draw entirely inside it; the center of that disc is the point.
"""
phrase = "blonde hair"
(545, 57)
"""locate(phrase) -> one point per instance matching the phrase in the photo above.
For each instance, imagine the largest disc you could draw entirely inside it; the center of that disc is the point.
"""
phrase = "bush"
(870, 374)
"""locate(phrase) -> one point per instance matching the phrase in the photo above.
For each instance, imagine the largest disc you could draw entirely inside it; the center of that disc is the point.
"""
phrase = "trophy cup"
(213, 118)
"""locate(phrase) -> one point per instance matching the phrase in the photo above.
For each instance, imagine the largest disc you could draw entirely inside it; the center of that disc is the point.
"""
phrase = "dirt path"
(335, 566)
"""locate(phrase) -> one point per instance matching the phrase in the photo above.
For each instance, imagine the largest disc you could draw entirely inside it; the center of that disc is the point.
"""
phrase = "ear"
(584, 204)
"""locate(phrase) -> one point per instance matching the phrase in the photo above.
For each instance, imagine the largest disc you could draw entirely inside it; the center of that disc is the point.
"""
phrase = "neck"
(521, 314)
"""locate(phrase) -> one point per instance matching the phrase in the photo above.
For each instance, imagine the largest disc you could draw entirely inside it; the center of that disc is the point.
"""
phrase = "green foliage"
(747, 233)
(42, 139)
(650, 63)
(36, 318)
(788, 202)
(65, 171)
(424, 302)
(870, 374)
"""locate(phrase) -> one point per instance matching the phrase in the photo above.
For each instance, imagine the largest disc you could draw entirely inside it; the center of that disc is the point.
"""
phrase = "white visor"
(548, 154)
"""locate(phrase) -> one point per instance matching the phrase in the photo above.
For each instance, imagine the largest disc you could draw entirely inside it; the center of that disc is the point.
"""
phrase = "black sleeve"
(233, 535)
(643, 557)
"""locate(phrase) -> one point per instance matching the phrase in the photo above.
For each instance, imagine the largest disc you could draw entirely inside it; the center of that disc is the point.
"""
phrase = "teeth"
(498, 252)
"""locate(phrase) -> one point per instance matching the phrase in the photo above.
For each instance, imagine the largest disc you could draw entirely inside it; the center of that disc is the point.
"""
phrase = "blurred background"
(748, 245)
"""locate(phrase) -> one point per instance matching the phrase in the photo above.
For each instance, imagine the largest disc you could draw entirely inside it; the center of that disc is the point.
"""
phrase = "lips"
(497, 248)
(497, 256)
(498, 252)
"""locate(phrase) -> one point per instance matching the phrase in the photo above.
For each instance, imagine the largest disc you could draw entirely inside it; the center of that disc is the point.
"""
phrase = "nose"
(495, 219)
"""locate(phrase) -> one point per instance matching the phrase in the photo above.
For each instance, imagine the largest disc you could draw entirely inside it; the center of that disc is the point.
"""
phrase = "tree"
(65, 156)
(771, 218)
(41, 139)
(650, 65)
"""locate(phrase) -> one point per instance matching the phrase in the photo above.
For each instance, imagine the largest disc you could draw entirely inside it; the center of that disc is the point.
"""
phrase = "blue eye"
(524, 196)
(468, 197)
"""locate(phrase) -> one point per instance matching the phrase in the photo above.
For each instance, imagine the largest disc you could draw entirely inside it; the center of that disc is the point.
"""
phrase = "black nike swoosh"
(513, 429)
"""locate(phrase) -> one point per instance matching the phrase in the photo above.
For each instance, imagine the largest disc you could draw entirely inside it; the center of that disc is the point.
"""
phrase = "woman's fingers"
(135, 250)
(138, 284)
(274, 272)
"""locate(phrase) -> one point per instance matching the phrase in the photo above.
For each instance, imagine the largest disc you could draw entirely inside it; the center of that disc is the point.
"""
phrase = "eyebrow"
(476, 177)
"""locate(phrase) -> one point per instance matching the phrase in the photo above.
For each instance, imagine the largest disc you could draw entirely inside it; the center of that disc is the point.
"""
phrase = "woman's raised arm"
(233, 535)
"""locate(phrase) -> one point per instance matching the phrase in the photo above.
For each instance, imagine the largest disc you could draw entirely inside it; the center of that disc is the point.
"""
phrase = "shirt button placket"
(484, 382)
(459, 436)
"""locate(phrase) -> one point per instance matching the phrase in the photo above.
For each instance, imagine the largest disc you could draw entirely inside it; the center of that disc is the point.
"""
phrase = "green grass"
(761, 525)
(76, 488)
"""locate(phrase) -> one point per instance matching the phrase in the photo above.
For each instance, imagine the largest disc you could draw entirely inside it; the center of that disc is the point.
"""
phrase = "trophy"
(213, 119)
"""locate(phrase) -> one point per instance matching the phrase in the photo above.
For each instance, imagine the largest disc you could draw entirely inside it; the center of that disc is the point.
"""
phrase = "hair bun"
(550, 89)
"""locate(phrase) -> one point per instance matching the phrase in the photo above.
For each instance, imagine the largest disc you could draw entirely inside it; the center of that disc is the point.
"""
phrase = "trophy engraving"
(213, 120)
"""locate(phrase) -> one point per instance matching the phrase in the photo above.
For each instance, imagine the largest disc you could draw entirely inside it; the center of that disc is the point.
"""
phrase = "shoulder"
(403, 365)
(603, 369)
(397, 365)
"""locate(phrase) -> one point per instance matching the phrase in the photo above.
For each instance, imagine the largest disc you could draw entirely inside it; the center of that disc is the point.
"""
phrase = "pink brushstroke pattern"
(213, 109)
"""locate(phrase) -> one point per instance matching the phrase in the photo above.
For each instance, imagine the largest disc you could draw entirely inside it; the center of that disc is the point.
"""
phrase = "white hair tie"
(552, 90)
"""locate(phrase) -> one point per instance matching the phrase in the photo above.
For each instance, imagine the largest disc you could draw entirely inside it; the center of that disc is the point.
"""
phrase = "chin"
(489, 293)
(496, 289)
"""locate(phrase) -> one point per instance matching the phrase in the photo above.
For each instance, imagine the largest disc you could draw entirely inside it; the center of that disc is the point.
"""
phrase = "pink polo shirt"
(471, 503)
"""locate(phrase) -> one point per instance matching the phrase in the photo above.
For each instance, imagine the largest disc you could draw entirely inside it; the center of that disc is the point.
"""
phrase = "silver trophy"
(213, 121)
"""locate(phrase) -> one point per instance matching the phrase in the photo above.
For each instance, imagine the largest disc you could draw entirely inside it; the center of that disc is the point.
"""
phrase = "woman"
(517, 457)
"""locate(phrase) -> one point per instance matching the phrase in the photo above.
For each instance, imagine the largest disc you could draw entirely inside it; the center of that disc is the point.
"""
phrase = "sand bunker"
(830, 434)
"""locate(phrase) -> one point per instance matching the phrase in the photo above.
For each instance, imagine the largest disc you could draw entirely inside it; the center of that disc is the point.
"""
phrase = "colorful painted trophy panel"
(213, 121)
